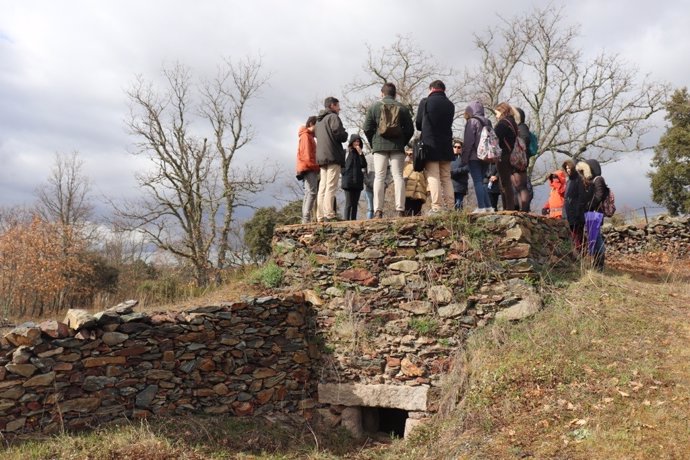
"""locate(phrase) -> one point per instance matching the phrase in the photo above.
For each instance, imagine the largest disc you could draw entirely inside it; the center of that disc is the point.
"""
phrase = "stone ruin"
(359, 335)
(664, 233)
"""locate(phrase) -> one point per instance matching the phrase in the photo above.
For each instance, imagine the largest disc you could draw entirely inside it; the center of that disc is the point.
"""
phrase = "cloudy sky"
(65, 66)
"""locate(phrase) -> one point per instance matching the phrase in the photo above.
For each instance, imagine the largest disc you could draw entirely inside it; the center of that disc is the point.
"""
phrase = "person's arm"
(599, 192)
(337, 128)
(420, 114)
(469, 138)
(369, 127)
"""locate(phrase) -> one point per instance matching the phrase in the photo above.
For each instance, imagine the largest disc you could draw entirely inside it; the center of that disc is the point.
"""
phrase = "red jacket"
(306, 151)
(557, 196)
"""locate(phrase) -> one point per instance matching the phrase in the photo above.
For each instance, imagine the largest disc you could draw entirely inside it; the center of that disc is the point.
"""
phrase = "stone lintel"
(357, 394)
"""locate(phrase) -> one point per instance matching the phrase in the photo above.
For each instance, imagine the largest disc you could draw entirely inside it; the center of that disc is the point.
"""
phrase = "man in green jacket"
(388, 128)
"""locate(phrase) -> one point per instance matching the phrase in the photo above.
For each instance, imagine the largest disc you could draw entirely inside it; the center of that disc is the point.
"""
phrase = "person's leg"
(599, 252)
(446, 185)
(311, 182)
(380, 170)
(416, 207)
(397, 162)
(321, 195)
(348, 205)
(505, 170)
(354, 201)
(493, 198)
(519, 181)
(458, 200)
(369, 194)
(431, 169)
(332, 175)
(477, 173)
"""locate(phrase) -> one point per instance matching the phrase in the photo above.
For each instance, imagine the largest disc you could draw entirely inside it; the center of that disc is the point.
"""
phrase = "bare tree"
(194, 188)
(574, 104)
(64, 198)
(402, 63)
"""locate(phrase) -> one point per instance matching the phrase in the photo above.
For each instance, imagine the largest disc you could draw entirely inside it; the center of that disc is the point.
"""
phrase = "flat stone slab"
(357, 394)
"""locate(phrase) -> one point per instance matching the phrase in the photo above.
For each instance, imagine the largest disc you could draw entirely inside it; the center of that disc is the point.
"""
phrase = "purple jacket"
(473, 130)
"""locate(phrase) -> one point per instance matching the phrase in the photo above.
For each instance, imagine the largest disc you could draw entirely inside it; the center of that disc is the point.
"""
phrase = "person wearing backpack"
(507, 133)
(475, 121)
(415, 187)
(352, 180)
(520, 179)
(596, 191)
(388, 128)
(307, 168)
(435, 121)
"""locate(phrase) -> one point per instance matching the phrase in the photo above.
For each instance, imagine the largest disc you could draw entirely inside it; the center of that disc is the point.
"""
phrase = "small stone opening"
(385, 420)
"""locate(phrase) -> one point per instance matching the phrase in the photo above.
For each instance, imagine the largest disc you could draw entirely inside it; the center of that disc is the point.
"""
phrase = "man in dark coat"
(388, 147)
(330, 156)
(435, 121)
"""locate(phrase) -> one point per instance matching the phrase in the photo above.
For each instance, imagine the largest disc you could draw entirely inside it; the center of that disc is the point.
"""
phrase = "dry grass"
(600, 374)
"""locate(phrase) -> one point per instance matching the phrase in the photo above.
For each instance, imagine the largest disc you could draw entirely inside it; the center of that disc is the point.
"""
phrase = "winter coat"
(575, 199)
(596, 189)
(495, 188)
(459, 175)
(473, 131)
(506, 132)
(435, 121)
(415, 183)
(330, 134)
(557, 196)
(523, 133)
(306, 151)
(371, 123)
(370, 174)
(355, 167)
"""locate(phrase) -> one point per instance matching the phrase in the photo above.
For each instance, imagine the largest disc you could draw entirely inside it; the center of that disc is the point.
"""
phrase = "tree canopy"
(671, 178)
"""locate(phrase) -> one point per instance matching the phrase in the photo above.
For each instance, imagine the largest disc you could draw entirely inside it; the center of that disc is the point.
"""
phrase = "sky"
(65, 67)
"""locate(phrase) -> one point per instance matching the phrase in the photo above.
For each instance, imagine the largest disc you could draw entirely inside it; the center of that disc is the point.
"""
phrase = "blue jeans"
(369, 194)
(478, 170)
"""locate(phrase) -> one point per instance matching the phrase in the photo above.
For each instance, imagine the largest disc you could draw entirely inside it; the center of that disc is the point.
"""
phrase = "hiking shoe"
(378, 215)
(433, 212)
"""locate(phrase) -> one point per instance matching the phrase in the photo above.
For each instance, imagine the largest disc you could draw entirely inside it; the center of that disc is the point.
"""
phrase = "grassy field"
(602, 373)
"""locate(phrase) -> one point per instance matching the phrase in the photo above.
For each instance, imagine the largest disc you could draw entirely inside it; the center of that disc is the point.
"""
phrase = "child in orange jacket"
(554, 206)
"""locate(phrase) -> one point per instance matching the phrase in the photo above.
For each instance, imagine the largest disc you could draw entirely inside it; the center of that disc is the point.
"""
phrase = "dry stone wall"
(661, 234)
(241, 358)
(394, 298)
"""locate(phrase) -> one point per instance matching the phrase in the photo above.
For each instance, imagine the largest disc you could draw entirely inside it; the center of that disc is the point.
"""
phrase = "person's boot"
(378, 215)
(599, 260)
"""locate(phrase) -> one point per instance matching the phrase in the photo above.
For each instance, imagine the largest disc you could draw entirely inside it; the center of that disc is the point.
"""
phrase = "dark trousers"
(505, 172)
(413, 207)
(493, 198)
(351, 204)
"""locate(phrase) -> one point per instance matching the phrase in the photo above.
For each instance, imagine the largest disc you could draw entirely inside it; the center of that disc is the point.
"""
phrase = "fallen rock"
(79, 319)
(25, 334)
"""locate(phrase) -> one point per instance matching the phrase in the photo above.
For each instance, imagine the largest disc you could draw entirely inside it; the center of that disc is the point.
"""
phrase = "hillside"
(601, 373)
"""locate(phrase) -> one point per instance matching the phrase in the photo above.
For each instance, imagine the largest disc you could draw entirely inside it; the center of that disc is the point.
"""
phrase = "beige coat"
(415, 183)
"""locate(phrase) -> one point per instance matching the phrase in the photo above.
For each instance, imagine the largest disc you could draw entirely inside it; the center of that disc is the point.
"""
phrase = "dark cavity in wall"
(384, 420)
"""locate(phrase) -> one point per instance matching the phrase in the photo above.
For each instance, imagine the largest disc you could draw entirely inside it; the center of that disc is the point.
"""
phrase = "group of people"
(449, 164)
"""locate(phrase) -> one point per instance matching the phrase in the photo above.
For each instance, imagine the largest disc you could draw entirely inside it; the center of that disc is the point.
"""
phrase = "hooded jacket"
(596, 189)
(435, 121)
(557, 196)
(355, 167)
(473, 130)
(330, 134)
(306, 151)
(371, 123)
(575, 199)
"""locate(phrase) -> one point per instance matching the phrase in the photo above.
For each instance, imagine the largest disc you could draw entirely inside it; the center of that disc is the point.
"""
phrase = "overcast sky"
(65, 65)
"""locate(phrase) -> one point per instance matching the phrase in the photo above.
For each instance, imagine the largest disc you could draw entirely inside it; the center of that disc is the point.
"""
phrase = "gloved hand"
(544, 211)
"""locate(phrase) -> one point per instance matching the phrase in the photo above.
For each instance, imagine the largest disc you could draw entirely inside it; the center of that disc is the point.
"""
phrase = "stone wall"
(661, 234)
(395, 297)
(241, 358)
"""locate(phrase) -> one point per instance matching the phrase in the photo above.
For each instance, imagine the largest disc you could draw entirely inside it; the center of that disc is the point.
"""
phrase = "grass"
(424, 325)
(270, 275)
(601, 373)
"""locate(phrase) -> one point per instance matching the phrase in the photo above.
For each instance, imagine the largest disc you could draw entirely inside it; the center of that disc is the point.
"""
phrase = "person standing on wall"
(520, 179)
(475, 121)
(330, 156)
(307, 168)
(459, 174)
(353, 176)
(388, 128)
(506, 132)
(435, 121)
